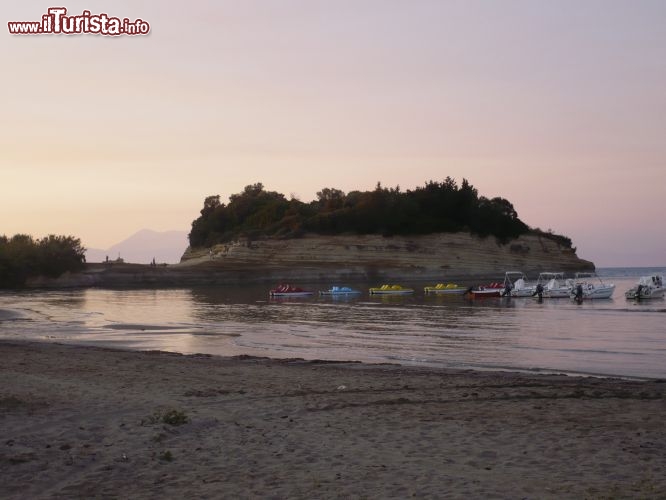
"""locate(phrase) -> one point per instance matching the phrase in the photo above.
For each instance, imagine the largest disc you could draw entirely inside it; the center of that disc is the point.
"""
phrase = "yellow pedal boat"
(449, 288)
(391, 290)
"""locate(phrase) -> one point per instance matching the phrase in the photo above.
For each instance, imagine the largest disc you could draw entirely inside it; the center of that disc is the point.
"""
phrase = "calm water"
(606, 337)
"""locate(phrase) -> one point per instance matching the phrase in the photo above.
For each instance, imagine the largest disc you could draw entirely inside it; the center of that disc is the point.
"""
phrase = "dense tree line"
(433, 208)
(22, 257)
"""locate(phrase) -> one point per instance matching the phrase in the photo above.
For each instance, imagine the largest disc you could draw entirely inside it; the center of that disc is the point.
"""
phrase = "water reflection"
(612, 336)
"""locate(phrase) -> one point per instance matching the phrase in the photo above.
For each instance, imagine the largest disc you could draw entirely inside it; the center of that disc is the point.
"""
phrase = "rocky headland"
(325, 259)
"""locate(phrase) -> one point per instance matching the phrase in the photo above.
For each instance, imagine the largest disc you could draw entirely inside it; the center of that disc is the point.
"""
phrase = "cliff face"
(329, 259)
(371, 257)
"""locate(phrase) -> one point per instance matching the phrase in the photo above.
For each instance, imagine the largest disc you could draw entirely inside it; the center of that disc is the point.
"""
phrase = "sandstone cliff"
(329, 259)
(372, 257)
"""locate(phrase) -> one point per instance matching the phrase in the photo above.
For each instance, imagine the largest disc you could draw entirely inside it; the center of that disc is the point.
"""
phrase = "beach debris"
(342, 387)
(22, 458)
(207, 393)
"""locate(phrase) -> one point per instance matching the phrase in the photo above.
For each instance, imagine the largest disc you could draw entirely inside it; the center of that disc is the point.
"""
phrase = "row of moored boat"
(515, 284)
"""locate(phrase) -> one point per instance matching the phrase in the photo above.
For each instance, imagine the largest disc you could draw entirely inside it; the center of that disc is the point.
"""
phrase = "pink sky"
(557, 106)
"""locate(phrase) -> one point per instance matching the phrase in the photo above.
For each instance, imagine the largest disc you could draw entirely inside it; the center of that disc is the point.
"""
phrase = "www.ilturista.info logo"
(56, 21)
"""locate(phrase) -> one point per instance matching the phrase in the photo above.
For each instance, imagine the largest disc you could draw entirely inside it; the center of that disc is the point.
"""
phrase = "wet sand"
(82, 422)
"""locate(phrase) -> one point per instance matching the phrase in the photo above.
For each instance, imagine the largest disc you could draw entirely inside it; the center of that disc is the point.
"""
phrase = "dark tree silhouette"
(432, 208)
(22, 257)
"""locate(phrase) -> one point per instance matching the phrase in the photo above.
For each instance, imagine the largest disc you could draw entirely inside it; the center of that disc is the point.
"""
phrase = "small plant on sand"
(171, 417)
(175, 417)
(158, 438)
(152, 419)
(167, 456)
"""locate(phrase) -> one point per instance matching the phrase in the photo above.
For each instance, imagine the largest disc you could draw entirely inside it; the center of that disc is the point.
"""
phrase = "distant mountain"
(144, 246)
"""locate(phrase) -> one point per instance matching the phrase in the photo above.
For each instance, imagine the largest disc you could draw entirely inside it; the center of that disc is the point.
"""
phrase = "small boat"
(553, 285)
(590, 286)
(339, 290)
(648, 287)
(490, 290)
(515, 285)
(289, 291)
(448, 289)
(391, 290)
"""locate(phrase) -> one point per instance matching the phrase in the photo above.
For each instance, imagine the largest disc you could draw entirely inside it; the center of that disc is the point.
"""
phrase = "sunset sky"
(560, 107)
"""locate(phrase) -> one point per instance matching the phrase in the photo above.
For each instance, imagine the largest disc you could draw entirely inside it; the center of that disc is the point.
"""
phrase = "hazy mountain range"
(144, 246)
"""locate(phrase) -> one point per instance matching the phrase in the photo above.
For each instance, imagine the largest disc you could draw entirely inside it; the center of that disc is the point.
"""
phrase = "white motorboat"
(590, 286)
(515, 285)
(648, 287)
(553, 285)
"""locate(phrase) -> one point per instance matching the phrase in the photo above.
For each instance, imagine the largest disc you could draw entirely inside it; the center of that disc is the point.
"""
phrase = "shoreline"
(528, 372)
(182, 275)
(89, 421)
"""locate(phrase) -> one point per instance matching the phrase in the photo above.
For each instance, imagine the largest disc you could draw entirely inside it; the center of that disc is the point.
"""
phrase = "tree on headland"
(436, 207)
(23, 257)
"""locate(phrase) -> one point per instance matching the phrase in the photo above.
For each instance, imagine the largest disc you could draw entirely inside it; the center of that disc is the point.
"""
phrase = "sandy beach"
(82, 422)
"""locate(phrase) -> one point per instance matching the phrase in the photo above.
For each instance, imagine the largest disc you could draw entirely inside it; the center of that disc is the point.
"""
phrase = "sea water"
(611, 337)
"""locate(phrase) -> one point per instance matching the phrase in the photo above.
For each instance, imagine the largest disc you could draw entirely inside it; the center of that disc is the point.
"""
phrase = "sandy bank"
(89, 422)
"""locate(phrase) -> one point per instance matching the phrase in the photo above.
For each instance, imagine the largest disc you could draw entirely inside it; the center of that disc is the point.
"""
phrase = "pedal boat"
(495, 289)
(289, 291)
(391, 290)
(448, 289)
(339, 290)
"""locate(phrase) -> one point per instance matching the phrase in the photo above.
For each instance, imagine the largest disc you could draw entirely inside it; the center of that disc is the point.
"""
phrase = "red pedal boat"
(289, 291)
(490, 290)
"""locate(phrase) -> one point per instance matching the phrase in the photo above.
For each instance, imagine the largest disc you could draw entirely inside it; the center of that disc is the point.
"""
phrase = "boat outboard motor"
(507, 290)
(538, 291)
(579, 293)
(639, 289)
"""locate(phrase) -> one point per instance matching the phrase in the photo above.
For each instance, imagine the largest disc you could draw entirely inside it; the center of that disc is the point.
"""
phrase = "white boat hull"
(516, 285)
(590, 286)
(558, 293)
(648, 287)
(524, 292)
(605, 292)
(648, 293)
(554, 286)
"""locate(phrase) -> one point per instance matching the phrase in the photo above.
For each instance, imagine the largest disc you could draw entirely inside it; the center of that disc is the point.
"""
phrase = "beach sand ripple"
(82, 422)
